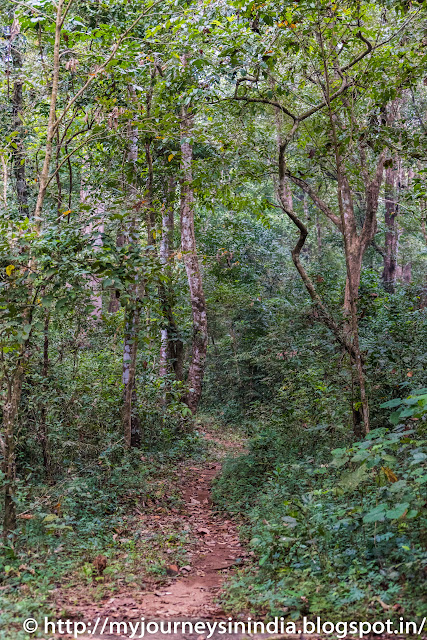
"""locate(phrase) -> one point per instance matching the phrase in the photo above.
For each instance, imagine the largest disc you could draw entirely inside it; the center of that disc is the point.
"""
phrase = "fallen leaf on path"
(172, 570)
(100, 564)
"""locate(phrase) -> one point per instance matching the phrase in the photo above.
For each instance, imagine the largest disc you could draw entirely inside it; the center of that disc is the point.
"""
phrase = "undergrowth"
(341, 533)
(100, 509)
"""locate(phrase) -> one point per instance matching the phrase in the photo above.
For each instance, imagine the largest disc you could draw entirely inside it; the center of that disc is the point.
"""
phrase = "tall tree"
(192, 266)
(391, 234)
(344, 132)
(131, 420)
(171, 346)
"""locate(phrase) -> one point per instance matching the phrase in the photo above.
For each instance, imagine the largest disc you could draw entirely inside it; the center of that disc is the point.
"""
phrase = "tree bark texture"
(192, 267)
(10, 413)
(18, 152)
(131, 421)
(172, 348)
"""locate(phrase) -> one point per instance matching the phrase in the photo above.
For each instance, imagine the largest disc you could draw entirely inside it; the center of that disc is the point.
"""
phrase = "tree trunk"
(391, 235)
(171, 348)
(18, 152)
(94, 224)
(321, 312)
(42, 430)
(114, 303)
(192, 267)
(404, 272)
(51, 127)
(355, 256)
(165, 257)
(10, 412)
(131, 421)
(4, 171)
(354, 246)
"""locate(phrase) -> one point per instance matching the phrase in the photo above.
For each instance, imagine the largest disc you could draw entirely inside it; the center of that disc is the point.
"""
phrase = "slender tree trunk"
(58, 177)
(131, 421)
(171, 348)
(18, 152)
(404, 272)
(391, 235)
(4, 171)
(353, 246)
(98, 224)
(322, 312)
(10, 413)
(165, 257)
(163, 365)
(285, 198)
(42, 430)
(51, 128)
(151, 217)
(114, 303)
(192, 267)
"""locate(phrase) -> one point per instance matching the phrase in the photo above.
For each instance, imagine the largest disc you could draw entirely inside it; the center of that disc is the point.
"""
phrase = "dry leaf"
(172, 570)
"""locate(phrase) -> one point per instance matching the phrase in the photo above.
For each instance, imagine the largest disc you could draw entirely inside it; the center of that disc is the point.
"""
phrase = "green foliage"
(95, 509)
(414, 407)
(329, 535)
(335, 538)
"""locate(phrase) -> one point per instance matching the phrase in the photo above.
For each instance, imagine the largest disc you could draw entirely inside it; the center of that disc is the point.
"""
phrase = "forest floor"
(167, 561)
(191, 591)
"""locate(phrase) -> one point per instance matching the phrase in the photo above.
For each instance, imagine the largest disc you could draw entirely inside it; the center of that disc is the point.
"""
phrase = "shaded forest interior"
(213, 252)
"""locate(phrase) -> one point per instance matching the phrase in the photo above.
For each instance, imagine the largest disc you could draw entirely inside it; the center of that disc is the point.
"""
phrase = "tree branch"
(102, 67)
(323, 313)
(321, 204)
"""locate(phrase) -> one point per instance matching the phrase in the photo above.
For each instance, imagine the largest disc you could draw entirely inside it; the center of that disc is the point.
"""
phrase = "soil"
(190, 592)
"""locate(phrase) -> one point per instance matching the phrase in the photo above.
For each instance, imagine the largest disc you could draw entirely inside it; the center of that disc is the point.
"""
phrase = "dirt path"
(190, 592)
(215, 549)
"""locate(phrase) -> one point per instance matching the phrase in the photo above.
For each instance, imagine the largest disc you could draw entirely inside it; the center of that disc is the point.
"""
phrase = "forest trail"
(190, 592)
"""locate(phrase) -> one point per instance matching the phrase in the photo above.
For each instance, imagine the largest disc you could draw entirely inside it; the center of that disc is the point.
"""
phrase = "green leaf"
(396, 402)
(350, 481)
(50, 518)
(376, 515)
(398, 511)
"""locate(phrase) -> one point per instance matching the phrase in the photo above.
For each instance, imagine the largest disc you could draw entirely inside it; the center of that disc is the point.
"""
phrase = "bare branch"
(360, 57)
(323, 314)
(321, 204)
(273, 103)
